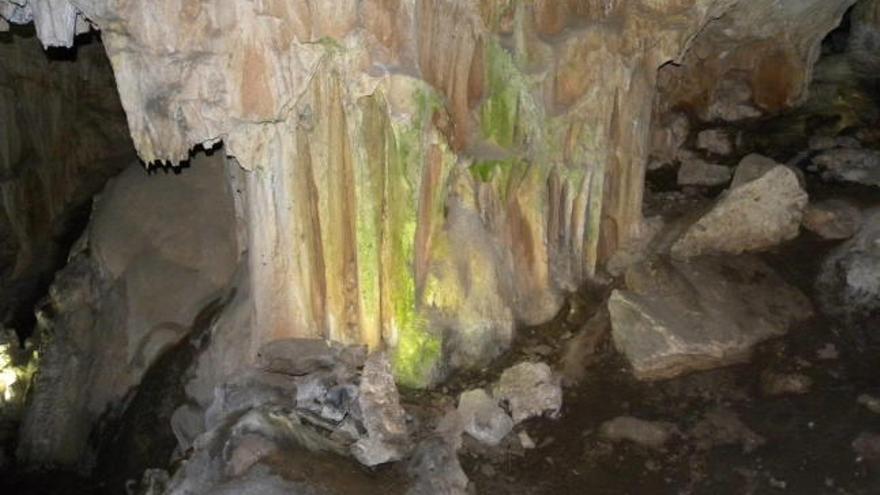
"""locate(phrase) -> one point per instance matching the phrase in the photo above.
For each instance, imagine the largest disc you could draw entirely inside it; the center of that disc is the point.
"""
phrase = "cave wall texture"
(62, 135)
(425, 175)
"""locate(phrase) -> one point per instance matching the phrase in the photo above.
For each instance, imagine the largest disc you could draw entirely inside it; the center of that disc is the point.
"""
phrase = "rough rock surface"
(384, 420)
(749, 217)
(130, 292)
(677, 317)
(436, 470)
(483, 418)
(849, 280)
(861, 166)
(411, 108)
(63, 135)
(750, 61)
(833, 219)
(696, 172)
(652, 434)
(715, 141)
(529, 390)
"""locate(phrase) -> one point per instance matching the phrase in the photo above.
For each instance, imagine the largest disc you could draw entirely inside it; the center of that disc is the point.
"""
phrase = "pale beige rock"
(752, 216)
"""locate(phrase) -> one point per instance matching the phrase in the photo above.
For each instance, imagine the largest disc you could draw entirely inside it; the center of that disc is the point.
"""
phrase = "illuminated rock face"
(421, 175)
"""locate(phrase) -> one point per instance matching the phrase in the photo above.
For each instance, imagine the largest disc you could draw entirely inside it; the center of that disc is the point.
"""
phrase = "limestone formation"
(62, 136)
(748, 217)
(132, 294)
(423, 175)
(677, 317)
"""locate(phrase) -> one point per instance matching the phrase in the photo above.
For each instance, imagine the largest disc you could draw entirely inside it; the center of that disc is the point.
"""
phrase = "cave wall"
(423, 175)
(62, 135)
(750, 62)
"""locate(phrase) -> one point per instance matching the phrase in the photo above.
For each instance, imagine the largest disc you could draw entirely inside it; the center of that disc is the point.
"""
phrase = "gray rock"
(731, 101)
(848, 285)
(715, 141)
(435, 469)
(773, 383)
(832, 219)
(383, 418)
(652, 434)
(752, 216)
(697, 172)
(530, 390)
(483, 418)
(678, 317)
(187, 423)
(721, 427)
(861, 166)
(303, 356)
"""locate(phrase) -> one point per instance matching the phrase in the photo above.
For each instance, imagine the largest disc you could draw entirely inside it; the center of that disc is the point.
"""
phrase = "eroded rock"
(384, 419)
(848, 284)
(483, 418)
(696, 172)
(529, 390)
(857, 165)
(651, 434)
(833, 219)
(748, 217)
(677, 317)
(715, 141)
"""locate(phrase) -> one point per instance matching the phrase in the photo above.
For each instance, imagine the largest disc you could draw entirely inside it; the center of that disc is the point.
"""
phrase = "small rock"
(383, 417)
(530, 390)
(867, 445)
(773, 384)
(828, 352)
(870, 402)
(697, 172)
(860, 166)
(715, 141)
(722, 427)
(483, 418)
(731, 101)
(435, 469)
(651, 434)
(749, 217)
(487, 470)
(526, 441)
(833, 219)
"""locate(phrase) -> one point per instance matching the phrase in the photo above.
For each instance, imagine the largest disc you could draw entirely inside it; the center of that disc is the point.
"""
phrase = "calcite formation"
(424, 175)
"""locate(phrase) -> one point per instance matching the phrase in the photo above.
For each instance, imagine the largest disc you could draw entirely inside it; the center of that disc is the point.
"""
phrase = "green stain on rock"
(500, 111)
(418, 351)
